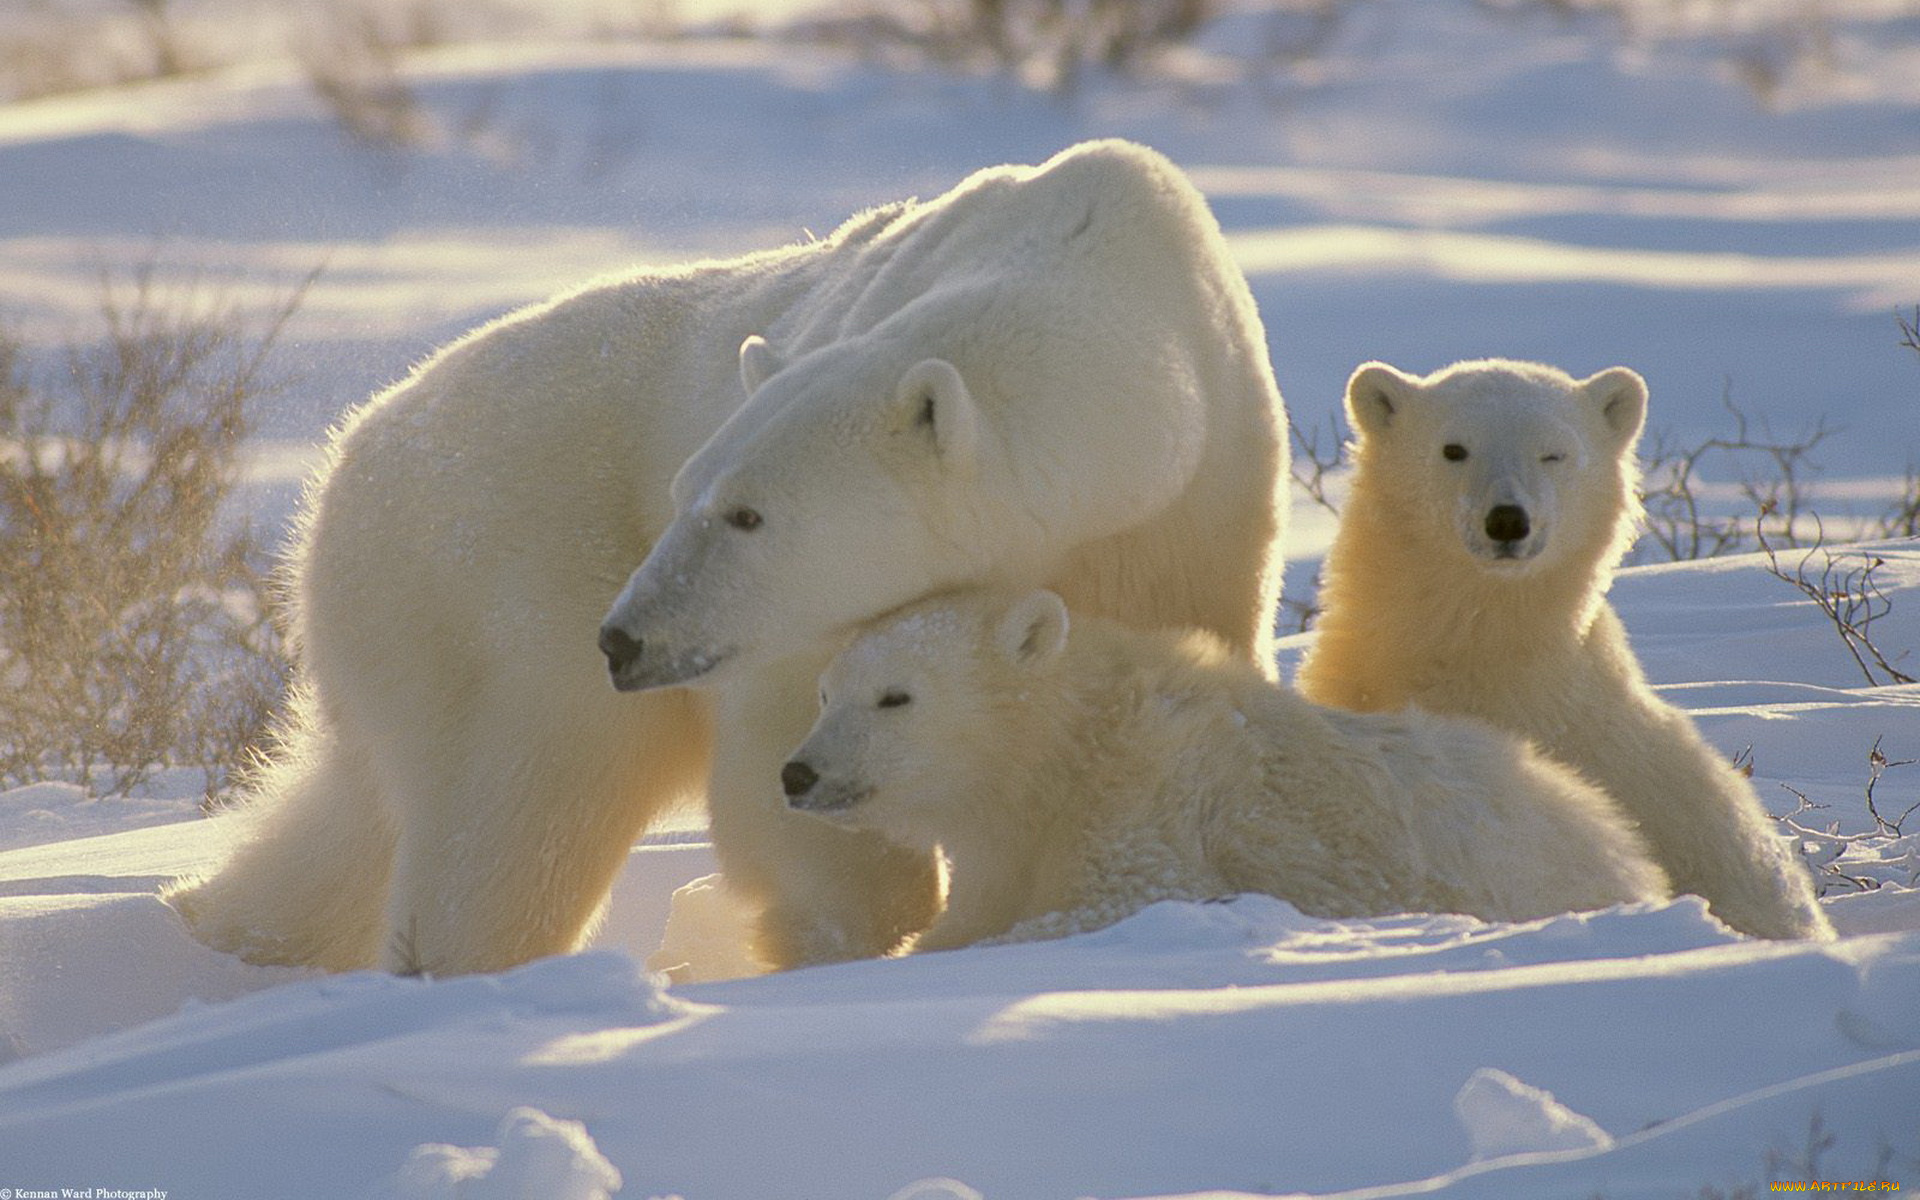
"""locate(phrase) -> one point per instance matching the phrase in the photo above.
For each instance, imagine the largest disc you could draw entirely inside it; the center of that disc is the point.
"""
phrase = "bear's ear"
(758, 363)
(933, 402)
(1034, 630)
(1620, 396)
(1376, 394)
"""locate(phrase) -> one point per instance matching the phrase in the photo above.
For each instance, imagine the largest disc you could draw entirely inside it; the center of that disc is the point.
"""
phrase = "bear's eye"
(1453, 452)
(743, 518)
(1553, 458)
(894, 698)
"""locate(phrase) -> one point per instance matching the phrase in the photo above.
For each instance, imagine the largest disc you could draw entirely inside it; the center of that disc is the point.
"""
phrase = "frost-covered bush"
(133, 626)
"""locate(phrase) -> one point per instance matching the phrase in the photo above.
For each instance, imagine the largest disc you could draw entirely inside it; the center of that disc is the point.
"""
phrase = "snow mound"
(937, 1189)
(539, 1158)
(41, 813)
(1503, 1116)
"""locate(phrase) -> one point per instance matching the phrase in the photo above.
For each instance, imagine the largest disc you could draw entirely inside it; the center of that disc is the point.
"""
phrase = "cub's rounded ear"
(758, 363)
(1620, 396)
(1034, 630)
(1376, 394)
(933, 402)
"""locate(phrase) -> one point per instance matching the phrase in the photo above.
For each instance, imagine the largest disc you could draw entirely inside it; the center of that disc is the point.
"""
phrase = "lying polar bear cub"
(1073, 778)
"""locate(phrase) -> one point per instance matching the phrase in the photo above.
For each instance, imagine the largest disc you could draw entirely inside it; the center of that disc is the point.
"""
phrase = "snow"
(537, 1156)
(59, 812)
(1451, 181)
(1503, 1116)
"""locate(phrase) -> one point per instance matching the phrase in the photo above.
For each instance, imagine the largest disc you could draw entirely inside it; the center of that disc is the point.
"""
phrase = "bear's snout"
(637, 664)
(835, 799)
(621, 648)
(1508, 523)
(797, 778)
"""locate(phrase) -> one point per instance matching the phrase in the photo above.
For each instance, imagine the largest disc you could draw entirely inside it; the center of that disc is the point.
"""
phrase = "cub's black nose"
(798, 778)
(1507, 523)
(620, 647)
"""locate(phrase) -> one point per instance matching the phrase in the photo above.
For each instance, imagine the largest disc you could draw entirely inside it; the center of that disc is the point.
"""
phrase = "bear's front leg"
(512, 831)
(826, 894)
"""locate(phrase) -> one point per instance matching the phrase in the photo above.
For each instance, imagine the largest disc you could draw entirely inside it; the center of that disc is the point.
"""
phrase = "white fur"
(1051, 371)
(1073, 775)
(1421, 607)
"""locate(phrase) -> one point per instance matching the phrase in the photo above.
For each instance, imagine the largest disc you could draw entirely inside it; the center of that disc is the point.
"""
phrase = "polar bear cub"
(1074, 775)
(1491, 502)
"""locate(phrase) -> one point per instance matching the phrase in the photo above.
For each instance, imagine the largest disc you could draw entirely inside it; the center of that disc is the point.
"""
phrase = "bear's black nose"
(798, 778)
(1507, 523)
(620, 647)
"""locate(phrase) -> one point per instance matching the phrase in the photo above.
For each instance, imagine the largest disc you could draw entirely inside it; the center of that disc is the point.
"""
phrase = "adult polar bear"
(1050, 375)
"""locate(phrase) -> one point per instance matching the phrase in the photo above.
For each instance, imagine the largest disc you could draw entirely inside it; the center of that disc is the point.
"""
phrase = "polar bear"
(1074, 771)
(1491, 502)
(1056, 378)
(1049, 371)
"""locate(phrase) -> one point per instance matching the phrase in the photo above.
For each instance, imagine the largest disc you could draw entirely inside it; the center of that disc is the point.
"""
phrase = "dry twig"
(1851, 598)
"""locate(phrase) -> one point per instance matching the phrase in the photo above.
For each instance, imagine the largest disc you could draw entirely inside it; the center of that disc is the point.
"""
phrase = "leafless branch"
(1311, 465)
(1850, 597)
(1676, 519)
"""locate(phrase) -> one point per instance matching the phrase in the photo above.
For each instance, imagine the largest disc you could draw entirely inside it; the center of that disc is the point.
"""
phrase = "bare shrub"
(162, 37)
(1772, 48)
(1051, 43)
(134, 632)
(1805, 1168)
(351, 52)
(1849, 596)
(354, 56)
(1902, 517)
(1062, 37)
(1825, 847)
(1298, 616)
(353, 59)
(1878, 764)
(40, 58)
(47, 49)
(1773, 478)
(1313, 468)
(1771, 474)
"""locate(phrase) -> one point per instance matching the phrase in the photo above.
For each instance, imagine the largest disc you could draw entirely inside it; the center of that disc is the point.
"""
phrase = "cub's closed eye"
(1553, 458)
(894, 699)
(743, 518)
(1453, 452)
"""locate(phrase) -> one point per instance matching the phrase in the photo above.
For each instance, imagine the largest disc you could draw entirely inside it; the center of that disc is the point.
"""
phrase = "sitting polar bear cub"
(1491, 502)
(1090, 773)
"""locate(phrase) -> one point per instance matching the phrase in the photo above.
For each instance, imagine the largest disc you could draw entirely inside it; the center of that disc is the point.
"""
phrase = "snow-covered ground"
(1452, 180)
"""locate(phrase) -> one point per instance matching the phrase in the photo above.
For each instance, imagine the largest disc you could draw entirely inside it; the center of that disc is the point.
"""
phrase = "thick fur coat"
(1073, 775)
(1051, 373)
(1491, 503)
